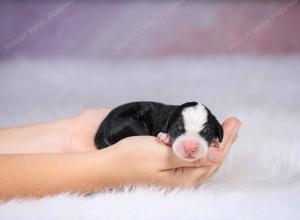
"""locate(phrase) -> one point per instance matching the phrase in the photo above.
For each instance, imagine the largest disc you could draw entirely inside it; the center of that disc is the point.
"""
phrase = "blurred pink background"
(124, 29)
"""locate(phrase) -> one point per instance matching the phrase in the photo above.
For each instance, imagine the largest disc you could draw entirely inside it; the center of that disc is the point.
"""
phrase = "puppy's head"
(192, 129)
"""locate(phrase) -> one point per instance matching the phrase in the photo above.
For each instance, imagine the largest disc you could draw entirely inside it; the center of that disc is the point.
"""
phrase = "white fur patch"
(194, 118)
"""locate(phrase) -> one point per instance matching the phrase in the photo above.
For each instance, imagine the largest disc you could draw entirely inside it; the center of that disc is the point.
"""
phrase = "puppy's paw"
(164, 138)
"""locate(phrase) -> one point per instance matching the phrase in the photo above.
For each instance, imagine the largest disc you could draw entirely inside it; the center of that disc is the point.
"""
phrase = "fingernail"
(215, 156)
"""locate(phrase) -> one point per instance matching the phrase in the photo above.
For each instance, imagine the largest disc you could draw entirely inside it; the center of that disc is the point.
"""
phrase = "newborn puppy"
(189, 128)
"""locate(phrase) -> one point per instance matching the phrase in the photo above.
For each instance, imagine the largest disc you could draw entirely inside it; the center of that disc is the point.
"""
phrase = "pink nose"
(190, 147)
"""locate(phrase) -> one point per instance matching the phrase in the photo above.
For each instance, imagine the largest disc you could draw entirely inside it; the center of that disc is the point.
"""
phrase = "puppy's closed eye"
(179, 126)
(205, 131)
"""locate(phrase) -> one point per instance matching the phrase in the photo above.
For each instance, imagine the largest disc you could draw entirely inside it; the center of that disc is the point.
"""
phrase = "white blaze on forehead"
(194, 118)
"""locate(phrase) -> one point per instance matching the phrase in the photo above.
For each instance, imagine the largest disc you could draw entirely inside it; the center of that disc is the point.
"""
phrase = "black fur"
(214, 128)
(148, 118)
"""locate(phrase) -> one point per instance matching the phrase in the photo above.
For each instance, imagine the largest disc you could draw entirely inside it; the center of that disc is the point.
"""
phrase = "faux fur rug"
(259, 180)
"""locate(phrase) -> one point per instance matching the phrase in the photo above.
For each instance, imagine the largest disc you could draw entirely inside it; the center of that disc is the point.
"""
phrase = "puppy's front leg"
(164, 138)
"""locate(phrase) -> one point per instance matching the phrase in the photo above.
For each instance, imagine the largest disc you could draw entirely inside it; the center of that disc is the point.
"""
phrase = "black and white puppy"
(189, 128)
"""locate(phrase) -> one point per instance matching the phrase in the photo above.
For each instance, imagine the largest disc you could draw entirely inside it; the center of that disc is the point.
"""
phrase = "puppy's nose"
(190, 147)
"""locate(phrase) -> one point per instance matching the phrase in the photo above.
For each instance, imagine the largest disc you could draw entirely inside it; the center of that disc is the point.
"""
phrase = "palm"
(84, 127)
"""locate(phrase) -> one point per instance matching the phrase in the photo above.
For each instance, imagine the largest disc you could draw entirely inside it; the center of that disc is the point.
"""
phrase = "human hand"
(142, 159)
(83, 129)
(132, 160)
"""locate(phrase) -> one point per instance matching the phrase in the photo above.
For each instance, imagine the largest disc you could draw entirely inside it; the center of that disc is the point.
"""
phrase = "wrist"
(108, 168)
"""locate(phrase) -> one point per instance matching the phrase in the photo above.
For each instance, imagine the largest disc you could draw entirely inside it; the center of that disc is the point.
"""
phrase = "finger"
(231, 127)
(215, 156)
(199, 175)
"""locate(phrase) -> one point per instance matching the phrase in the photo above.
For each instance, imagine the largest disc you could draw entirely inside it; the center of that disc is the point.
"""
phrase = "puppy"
(189, 128)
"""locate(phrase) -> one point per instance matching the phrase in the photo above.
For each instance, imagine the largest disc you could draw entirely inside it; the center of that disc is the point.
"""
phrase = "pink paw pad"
(164, 138)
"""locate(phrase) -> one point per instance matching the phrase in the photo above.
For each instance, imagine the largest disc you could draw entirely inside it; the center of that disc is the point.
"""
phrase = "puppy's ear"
(219, 131)
(218, 128)
(176, 113)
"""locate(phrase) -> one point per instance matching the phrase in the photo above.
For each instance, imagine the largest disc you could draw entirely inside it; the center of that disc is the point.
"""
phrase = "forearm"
(49, 137)
(36, 175)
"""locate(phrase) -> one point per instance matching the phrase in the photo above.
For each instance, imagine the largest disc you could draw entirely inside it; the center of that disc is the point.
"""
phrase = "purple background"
(149, 28)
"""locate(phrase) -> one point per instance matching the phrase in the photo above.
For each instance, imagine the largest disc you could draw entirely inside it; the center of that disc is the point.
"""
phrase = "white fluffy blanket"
(259, 180)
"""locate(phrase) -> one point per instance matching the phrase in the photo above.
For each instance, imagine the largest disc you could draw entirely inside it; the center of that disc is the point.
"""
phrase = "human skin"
(60, 156)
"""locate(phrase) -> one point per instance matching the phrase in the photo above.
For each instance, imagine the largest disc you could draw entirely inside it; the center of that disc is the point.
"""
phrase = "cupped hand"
(142, 159)
(83, 129)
